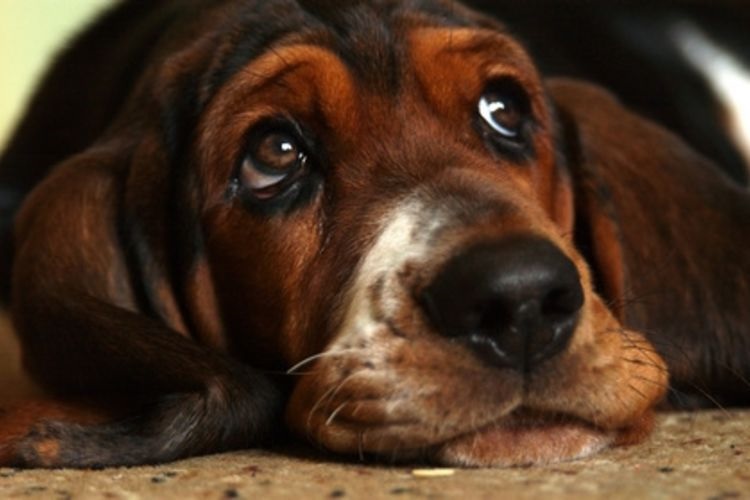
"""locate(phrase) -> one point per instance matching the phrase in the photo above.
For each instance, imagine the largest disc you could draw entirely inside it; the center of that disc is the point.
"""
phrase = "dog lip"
(524, 438)
(523, 418)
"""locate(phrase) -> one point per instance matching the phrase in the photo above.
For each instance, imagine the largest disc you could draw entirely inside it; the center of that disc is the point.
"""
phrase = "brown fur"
(141, 281)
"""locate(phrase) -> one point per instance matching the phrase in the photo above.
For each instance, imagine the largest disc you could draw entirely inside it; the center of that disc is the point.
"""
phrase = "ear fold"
(124, 210)
(595, 220)
(666, 231)
(162, 202)
(85, 337)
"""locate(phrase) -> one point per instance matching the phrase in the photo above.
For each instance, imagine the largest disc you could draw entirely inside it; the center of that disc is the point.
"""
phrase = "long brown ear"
(667, 233)
(85, 339)
(595, 225)
(108, 260)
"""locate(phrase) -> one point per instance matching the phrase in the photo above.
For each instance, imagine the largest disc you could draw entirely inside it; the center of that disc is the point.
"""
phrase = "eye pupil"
(277, 151)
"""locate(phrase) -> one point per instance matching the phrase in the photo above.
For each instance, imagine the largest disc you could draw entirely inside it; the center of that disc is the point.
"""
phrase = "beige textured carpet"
(701, 455)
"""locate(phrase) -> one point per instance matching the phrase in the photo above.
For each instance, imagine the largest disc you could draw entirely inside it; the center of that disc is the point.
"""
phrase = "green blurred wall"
(30, 33)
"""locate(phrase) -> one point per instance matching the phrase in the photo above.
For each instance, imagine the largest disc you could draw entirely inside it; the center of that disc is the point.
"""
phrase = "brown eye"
(274, 161)
(505, 108)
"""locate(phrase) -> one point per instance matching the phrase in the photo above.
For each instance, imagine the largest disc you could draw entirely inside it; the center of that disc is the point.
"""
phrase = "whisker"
(650, 381)
(329, 394)
(639, 348)
(641, 362)
(708, 396)
(644, 350)
(335, 412)
(314, 357)
(736, 373)
(675, 352)
(622, 402)
(632, 388)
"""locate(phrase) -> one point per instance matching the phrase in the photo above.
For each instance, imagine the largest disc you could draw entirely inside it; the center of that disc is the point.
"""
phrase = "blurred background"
(31, 31)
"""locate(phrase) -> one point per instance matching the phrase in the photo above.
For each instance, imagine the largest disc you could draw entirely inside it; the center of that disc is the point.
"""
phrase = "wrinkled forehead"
(372, 38)
(380, 71)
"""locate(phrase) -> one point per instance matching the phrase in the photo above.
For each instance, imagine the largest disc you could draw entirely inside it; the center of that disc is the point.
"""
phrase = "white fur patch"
(405, 237)
(727, 76)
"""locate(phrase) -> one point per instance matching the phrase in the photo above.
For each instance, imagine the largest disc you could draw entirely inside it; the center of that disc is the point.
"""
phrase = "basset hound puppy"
(371, 223)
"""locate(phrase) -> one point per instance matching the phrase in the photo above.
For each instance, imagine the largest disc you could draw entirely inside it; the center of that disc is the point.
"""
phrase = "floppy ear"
(666, 232)
(107, 283)
(594, 219)
(162, 201)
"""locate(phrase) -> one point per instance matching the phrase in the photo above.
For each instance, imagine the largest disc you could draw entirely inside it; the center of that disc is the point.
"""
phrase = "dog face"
(324, 168)
(375, 197)
(381, 205)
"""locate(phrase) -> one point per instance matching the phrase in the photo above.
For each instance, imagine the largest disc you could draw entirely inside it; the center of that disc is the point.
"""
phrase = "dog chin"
(522, 440)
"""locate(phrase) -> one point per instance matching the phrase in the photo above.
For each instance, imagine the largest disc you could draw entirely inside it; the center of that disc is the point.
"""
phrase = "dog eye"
(505, 107)
(275, 160)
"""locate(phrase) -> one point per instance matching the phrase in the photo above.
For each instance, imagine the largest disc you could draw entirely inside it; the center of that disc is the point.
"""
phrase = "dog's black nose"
(514, 301)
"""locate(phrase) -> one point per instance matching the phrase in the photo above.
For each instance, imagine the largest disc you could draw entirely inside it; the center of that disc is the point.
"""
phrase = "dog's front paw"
(50, 445)
(41, 447)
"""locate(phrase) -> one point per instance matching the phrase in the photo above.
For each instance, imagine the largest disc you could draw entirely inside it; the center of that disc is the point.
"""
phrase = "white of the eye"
(259, 181)
(487, 110)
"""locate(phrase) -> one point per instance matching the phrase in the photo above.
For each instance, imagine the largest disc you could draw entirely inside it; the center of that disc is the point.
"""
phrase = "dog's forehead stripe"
(366, 46)
(365, 35)
(253, 30)
(332, 78)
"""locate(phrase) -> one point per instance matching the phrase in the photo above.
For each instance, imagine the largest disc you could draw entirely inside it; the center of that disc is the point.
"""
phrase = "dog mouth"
(394, 382)
(525, 437)
(404, 394)
(419, 399)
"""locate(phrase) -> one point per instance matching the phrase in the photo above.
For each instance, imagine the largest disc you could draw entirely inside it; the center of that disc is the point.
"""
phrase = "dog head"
(377, 197)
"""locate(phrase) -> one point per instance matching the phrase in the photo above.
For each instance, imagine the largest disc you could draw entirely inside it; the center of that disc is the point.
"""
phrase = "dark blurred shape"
(629, 48)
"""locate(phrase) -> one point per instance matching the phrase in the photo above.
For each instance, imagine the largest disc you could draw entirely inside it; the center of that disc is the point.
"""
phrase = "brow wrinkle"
(479, 42)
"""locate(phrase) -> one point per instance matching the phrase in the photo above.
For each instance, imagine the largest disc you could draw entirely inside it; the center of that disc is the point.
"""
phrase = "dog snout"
(514, 301)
